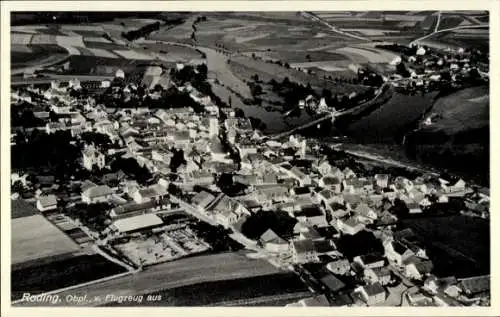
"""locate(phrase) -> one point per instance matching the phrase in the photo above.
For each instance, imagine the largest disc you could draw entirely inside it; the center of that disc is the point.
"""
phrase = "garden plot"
(161, 247)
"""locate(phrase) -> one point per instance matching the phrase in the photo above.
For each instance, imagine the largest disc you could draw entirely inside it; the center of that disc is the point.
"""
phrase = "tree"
(17, 187)
(239, 113)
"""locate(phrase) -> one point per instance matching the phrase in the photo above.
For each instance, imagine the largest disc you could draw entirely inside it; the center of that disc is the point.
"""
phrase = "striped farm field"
(363, 55)
(43, 39)
(20, 39)
(20, 48)
(102, 53)
(78, 27)
(71, 50)
(328, 66)
(96, 39)
(128, 54)
(70, 41)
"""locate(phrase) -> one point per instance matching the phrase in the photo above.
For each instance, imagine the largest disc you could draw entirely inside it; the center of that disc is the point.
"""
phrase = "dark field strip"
(458, 245)
(61, 273)
(222, 291)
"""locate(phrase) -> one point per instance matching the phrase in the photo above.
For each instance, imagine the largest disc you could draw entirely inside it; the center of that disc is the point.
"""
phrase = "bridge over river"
(383, 90)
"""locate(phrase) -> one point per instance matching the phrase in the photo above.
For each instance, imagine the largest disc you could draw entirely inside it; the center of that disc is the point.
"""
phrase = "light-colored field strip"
(20, 38)
(71, 50)
(90, 28)
(329, 66)
(43, 39)
(68, 32)
(371, 32)
(371, 57)
(96, 39)
(76, 41)
(133, 55)
(34, 237)
(240, 39)
(28, 28)
(102, 53)
(20, 48)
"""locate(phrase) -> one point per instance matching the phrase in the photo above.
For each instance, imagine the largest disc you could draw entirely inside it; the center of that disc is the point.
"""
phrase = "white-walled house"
(97, 194)
(46, 203)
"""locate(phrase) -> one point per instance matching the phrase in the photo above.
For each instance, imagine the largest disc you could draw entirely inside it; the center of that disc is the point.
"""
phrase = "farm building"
(137, 223)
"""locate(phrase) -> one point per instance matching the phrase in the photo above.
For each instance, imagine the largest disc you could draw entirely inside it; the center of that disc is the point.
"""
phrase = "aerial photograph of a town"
(249, 158)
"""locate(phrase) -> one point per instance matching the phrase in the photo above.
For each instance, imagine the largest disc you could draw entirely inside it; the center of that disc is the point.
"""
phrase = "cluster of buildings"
(327, 202)
(428, 66)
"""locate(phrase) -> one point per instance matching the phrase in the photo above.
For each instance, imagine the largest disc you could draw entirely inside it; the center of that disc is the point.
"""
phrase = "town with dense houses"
(213, 167)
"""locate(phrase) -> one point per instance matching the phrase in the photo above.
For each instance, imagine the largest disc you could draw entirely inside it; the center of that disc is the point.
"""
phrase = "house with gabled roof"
(272, 242)
(372, 294)
(349, 225)
(382, 180)
(365, 213)
(380, 275)
(303, 251)
(46, 203)
(396, 252)
(337, 210)
(370, 260)
(339, 267)
(202, 200)
(417, 268)
(97, 194)
(302, 178)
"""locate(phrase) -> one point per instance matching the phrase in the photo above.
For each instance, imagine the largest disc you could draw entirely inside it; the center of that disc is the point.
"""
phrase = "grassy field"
(221, 292)
(244, 68)
(34, 237)
(463, 110)
(61, 273)
(472, 38)
(458, 245)
(21, 208)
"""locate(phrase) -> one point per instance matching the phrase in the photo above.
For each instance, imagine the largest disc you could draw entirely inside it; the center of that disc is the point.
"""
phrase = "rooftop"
(374, 289)
(137, 222)
(98, 191)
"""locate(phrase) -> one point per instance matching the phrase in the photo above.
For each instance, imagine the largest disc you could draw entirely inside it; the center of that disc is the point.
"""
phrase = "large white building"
(213, 127)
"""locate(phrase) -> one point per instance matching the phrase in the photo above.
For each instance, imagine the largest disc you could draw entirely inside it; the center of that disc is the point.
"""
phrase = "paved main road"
(187, 271)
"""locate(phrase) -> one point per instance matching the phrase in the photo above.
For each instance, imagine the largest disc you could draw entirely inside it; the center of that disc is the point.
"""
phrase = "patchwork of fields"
(42, 45)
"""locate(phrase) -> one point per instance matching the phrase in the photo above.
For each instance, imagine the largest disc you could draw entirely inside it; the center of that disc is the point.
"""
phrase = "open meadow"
(34, 237)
